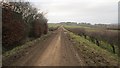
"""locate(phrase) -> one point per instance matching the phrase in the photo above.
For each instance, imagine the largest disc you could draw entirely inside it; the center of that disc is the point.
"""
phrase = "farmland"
(71, 45)
(29, 40)
(53, 26)
(107, 39)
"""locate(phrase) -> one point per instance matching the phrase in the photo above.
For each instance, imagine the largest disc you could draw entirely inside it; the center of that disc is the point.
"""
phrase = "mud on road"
(55, 50)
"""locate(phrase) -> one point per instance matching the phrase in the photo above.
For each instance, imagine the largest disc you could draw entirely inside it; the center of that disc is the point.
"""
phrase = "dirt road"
(56, 50)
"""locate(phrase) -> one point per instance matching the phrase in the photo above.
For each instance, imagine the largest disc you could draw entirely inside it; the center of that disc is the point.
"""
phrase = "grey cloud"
(94, 11)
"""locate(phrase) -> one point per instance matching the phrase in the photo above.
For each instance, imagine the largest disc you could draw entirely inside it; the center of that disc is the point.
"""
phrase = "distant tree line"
(85, 24)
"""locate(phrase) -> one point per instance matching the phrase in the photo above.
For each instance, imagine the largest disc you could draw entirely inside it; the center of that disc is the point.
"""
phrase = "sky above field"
(90, 11)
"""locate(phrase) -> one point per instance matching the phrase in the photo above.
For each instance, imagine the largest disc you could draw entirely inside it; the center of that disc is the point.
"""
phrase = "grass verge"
(26, 45)
(91, 47)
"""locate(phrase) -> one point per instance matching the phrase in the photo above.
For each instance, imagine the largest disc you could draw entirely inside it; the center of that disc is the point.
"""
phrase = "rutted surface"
(56, 50)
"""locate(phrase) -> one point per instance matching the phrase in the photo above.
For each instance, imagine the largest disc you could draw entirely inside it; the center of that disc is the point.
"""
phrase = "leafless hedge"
(20, 21)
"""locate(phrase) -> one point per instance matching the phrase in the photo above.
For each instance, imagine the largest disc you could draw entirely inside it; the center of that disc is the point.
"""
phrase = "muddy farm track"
(56, 50)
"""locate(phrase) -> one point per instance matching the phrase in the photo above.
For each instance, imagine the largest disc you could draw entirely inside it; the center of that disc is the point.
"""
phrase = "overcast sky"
(91, 11)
